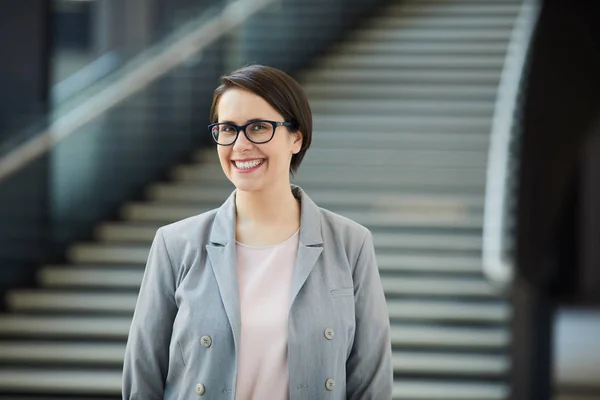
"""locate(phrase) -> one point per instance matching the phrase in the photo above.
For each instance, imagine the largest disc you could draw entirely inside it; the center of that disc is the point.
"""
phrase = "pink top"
(265, 285)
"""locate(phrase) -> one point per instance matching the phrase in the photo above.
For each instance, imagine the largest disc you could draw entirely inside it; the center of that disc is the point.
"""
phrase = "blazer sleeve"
(369, 373)
(147, 352)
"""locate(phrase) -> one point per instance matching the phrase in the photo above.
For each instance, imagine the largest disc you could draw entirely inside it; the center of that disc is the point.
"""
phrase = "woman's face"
(249, 166)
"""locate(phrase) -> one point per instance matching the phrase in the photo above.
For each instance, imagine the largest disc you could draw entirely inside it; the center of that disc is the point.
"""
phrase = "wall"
(562, 104)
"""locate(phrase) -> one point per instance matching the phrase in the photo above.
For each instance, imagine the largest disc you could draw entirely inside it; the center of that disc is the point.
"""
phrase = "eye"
(227, 129)
(259, 126)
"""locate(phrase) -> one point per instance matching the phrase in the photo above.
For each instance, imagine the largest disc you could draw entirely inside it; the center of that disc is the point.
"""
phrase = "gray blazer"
(185, 331)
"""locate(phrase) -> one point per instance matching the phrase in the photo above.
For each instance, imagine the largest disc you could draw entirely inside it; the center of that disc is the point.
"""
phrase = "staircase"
(402, 114)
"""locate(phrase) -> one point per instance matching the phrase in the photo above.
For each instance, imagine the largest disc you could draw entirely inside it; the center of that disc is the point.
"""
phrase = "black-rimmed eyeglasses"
(258, 132)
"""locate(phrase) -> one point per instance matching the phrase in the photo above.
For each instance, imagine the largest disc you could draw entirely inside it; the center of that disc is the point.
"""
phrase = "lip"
(247, 159)
(247, 170)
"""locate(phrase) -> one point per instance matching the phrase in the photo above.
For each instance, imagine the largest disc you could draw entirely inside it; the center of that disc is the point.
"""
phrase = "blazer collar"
(223, 230)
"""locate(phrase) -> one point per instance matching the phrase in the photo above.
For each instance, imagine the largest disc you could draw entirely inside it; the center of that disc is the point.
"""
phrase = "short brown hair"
(278, 89)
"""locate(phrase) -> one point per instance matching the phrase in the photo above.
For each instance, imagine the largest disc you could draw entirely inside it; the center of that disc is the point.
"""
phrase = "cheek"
(223, 154)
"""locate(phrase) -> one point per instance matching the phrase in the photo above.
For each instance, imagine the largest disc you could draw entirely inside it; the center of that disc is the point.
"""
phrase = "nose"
(242, 143)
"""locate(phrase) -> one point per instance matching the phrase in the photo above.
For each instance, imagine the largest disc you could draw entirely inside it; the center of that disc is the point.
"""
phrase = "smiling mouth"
(247, 164)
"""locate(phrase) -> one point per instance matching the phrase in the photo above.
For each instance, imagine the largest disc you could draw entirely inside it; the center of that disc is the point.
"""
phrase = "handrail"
(496, 267)
(91, 73)
(137, 78)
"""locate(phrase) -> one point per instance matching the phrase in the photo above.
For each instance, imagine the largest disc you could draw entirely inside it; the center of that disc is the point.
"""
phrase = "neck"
(275, 205)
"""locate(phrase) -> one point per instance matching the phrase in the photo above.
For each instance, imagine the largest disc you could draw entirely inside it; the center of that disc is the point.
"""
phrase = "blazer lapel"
(311, 241)
(223, 259)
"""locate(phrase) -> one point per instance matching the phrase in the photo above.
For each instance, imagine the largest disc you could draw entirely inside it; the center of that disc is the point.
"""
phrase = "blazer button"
(200, 389)
(329, 384)
(329, 333)
(205, 341)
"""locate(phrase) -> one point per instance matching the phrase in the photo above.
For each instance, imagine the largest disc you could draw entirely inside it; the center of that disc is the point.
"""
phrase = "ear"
(297, 142)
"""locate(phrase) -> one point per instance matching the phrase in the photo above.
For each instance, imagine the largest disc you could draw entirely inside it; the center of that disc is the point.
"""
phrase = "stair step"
(405, 389)
(442, 22)
(137, 253)
(422, 363)
(458, 219)
(408, 49)
(428, 263)
(97, 382)
(125, 277)
(431, 183)
(217, 194)
(114, 232)
(438, 287)
(73, 327)
(43, 300)
(399, 309)
(313, 178)
(427, 242)
(436, 141)
(429, 77)
(413, 61)
(67, 381)
(445, 9)
(119, 232)
(400, 107)
(441, 35)
(408, 336)
(448, 311)
(96, 354)
(392, 159)
(382, 158)
(358, 92)
(112, 354)
(130, 253)
(418, 34)
(80, 327)
(393, 125)
(90, 277)
(108, 254)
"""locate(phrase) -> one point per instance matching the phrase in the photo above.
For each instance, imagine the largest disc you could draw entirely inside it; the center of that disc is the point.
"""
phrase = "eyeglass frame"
(242, 128)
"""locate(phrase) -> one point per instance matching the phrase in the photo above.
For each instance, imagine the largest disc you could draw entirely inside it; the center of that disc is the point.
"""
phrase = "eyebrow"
(247, 122)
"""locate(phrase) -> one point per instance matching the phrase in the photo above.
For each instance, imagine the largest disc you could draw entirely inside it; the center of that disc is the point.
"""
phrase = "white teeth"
(247, 164)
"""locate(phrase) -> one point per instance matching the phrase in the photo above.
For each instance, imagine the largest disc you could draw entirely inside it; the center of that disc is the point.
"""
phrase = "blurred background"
(465, 134)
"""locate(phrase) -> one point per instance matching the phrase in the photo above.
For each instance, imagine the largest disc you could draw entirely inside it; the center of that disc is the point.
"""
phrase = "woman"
(267, 297)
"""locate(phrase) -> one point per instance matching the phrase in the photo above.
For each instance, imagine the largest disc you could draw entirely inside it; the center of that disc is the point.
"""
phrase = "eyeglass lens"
(257, 132)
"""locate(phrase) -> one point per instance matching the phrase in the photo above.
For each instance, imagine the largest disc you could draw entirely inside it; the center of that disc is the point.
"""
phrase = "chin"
(247, 185)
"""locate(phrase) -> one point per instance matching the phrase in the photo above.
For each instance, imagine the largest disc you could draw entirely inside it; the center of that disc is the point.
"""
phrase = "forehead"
(240, 106)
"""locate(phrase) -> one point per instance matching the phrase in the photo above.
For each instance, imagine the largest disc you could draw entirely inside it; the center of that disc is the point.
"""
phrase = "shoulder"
(342, 225)
(343, 232)
(337, 232)
(195, 229)
(183, 241)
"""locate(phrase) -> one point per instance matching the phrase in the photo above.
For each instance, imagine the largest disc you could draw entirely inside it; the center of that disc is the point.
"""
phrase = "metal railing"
(497, 266)
(142, 71)
(85, 77)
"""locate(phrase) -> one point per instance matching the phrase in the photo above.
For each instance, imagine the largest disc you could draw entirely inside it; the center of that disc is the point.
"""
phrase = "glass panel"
(93, 38)
(108, 160)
